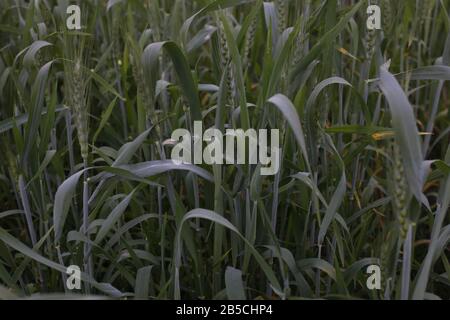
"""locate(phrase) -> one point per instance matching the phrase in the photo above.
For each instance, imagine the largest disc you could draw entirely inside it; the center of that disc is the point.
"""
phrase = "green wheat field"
(87, 180)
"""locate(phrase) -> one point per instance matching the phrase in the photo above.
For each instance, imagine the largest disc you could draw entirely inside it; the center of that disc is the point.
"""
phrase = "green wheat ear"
(371, 38)
(400, 191)
(76, 90)
(282, 14)
(249, 40)
(80, 109)
(225, 58)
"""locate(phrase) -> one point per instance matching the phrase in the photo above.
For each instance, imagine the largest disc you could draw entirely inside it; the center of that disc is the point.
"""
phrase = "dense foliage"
(86, 119)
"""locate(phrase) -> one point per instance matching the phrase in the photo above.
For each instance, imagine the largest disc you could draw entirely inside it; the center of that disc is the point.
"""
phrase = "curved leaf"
(290, 114)
(406, 132)
(63, 198)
